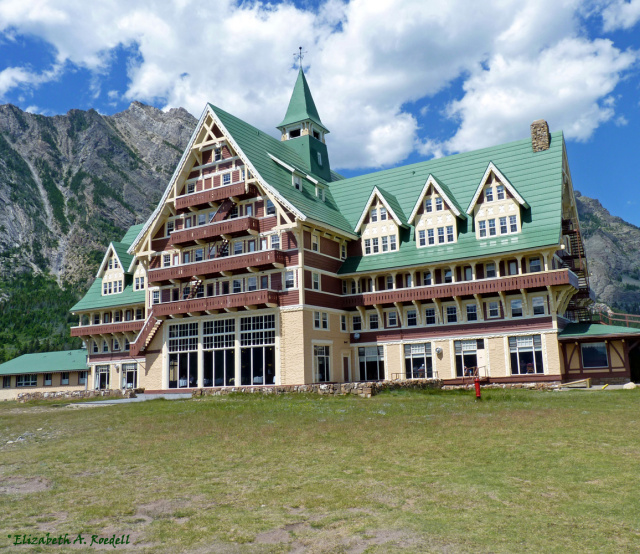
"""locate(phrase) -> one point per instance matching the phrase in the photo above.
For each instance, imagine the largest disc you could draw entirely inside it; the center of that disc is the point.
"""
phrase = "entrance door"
(102, 377)
(346, 370)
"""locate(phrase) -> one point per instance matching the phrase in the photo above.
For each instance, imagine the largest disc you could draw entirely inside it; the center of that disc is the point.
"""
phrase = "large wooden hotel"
(261, 266)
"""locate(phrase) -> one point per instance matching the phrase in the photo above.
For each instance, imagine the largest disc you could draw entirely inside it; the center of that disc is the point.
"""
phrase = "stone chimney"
(540, 137)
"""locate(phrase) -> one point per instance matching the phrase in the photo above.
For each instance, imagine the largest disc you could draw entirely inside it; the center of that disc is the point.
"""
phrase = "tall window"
(482, 225)
(448, 276)
(537, 302)
(373, 321)
(428, 206)
(257, 350)
(516, 308)
(271, 208)
(374, 243)
(440, 235)
(218, 343)
(500, 192)
(417, 361)
(367, 246)
(426, 278)
(392, 242)
(356, 323)
(503, 226)
(383, 213)
(526, 355)
(490, 270)
(315, 245)
(385, 244)
(467, 356)
(289, 280)
(430, 316)
(322, 364)
(371, 362)
(494, 309)
(452, 314)
(488, 194)
(374, 215)
(412, 318)
(315, 281)
(492, 227)
(439, 205)
(422, 238)
(183, 355)
(513, 223)
(450, 236)
(472, 312)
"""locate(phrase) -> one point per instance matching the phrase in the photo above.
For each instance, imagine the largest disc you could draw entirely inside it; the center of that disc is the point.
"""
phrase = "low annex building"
(262, 266)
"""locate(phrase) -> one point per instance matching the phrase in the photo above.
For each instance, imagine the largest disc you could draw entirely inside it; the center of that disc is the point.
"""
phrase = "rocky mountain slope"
(612, 247)
(71, 183)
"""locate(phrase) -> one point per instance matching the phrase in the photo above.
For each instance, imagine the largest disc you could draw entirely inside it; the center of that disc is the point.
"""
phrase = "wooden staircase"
(146, 334)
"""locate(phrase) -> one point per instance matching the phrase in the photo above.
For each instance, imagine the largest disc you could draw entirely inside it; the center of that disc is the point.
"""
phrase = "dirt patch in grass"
(23, 485)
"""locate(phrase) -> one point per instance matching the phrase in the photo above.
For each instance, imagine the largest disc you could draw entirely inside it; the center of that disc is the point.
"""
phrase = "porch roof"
(575, 331)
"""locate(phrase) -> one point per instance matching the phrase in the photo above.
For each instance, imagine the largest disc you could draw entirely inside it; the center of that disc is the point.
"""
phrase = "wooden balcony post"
(418, 306)
(438, 304)
(480, 306)
(473, 271)
(394, 275)
(497, 262)
(454, 276)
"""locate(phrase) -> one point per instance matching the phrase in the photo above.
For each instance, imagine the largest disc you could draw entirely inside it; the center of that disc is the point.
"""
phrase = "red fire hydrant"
(477, 383)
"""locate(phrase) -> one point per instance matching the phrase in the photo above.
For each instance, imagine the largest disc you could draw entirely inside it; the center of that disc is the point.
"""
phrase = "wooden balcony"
(239, 300)
(466, 288)
(211, 231)
(106, 328)
(203, 198)
(262, 259)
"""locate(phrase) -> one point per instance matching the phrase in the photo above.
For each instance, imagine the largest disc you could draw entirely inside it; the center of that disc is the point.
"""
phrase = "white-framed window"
(373, 321)
(371, 363)
(374, 243)
(392, 242)
(343, 251)
(96, 348)
(516, 308)
(535, 265)
(594, 355)
(28, 380)
(198, 254)
(191, 188)
(252, 283)
(526, 355)
(321, 320)
(482, 227)
(236, 285)
(426, 278)
(537, 302)
(467, 356)
(503, 226)
(170, 227)
(490, 270)
(155, 297)
(439, 205)
(166, 261)
(392, 319)
(472, 312)
(275, 242)
(417, 361)
(367, 246)
(494, 309)
(450, 233)
(289, 279)
(315, 278)
(271, 207)
(500, 192)
(513, 223)
(383, 213)
(452, 314)
(202, 219)
(322, 362)
(412, 318)
(385, 244)
(217, 154)
(492, 227)
(356, 323)
(48, 379)
(488, 194)
(343, 323)
(428, 205)
(315, 243)
(431, 239)
(422, 238)
(448, 276)
(297, 182)
(430, 316)
(374, 215)
(105, 346)
(468, 274)
(440, 235)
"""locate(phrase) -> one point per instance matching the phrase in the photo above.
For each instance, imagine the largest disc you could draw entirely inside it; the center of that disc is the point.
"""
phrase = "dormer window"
(297, 182)
(488, 194)
(110, 263)
(439, 204)
(428, 205)
(383, 213)
(374, 215)
(500, 192)
(217, 156)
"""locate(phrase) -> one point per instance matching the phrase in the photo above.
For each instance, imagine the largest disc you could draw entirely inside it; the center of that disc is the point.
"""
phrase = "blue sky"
(396, 81)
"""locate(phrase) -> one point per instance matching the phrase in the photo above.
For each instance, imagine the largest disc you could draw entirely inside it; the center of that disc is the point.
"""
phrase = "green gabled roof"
(94, 299)
(46, 362)
(394, 205)
(595, 330)
(121, 251)
(131, 234)
(450, 195)
(257, 146)
(537, 177)
(301, 106)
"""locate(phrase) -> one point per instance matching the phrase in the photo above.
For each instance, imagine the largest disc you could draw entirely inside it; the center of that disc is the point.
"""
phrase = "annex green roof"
(46, 362)
(257, 146)
(537, 177)
(596, 330)
(301, 106)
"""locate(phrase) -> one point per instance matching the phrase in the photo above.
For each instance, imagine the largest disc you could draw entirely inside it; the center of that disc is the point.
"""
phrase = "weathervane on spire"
(300, 56)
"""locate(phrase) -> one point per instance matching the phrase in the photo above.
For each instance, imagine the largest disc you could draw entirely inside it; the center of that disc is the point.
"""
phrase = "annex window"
(516, 308)
(526, 355)
(48, 379)
(6, 381)
(594, 354)
(371, 362)
(28, 380)
(64, 378)
(417, 361)
(537, 302)
(82, 377)
(430, 316)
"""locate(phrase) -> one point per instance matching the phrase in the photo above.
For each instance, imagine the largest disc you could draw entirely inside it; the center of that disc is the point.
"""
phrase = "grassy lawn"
(521, 471)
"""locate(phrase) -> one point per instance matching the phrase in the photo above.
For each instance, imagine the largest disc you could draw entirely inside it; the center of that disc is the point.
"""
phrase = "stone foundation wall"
(610, 380)
(364, 389)
(68, 395)
(546, 385)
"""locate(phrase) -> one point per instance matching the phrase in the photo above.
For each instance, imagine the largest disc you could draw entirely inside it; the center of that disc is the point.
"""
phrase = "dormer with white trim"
(435, 215)
(496, 206)
(379, 225)
(111, 272)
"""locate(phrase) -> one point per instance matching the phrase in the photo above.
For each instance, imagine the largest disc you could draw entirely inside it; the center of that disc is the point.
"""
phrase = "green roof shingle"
(301, 106)
(46, 362)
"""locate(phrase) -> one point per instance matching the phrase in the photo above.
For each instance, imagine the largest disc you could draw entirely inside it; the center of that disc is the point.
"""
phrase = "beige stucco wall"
(12, 392)
(292, 347)
(332, 337)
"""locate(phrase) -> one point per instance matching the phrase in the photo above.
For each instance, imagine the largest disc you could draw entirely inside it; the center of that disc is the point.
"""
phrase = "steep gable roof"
(491, 168)
(301, 105)
(444, 192)
(390, 202)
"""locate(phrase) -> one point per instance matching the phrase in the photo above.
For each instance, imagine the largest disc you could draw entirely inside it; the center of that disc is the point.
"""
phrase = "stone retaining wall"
(546, 385)
(73, 395)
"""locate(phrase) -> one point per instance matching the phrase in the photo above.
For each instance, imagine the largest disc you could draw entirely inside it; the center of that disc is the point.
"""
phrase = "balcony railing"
(260, 259)
(237, 300)
(485, 286)
(120, 327)
(210, 231)
(202, 198)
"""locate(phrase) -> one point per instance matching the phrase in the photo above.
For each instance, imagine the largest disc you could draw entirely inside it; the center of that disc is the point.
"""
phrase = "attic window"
(316, 135)
(320, 193)
(294, 133)
(217, 155)
(297, 182)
